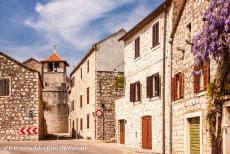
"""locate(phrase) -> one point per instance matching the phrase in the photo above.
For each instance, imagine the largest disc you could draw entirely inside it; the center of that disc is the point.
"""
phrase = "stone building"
(189, 100)
(143, 114)
(34, 64)
(93, 93)
(55, 94)
(20, 100)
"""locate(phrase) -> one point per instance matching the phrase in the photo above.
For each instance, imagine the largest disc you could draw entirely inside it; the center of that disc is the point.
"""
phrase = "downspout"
(163, 95)
(170, 105)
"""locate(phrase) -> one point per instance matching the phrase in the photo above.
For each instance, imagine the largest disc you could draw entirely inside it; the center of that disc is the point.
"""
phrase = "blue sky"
(30, 28)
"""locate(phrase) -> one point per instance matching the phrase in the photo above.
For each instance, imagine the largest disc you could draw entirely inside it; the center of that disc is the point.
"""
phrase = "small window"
(72, 106)
(137, 47)
(88, 95)
(155, 33)
(178, 86)
(73, 82)
(153, 86)
(201, 82)
(87, 66)
(81, 73)
(189, 33)
(135, 92)
(87, 120)
(80, 100)
(4, 87)
(81, 124)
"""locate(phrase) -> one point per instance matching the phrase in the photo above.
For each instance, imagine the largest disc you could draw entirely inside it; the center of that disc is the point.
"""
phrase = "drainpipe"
(163, 80)
(170, 105)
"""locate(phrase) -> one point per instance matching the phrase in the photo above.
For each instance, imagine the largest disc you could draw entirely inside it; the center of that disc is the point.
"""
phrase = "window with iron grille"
(4, 86)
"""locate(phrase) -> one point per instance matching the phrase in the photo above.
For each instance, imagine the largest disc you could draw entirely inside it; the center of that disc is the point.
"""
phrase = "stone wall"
(192, 103)
(25, 96)
(34, 64)
(55, 94)
(106, 93)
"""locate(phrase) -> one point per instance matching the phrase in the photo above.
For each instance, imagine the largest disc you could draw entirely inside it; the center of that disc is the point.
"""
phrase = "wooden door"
(147, 132)
(194, 131)
(122, 131)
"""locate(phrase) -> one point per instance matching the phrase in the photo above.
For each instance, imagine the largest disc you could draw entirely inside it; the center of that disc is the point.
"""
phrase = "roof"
(146, 20)
(54, 57)
(90, 51)
(178, 18)
(19, 63)
(31, 59)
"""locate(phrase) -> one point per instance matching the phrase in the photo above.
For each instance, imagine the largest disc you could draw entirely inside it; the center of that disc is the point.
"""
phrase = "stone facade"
(96, 67)
(106, 93)
(34, 64)
(55, 94)
(192, 104)
(149, 63)
(25, 97)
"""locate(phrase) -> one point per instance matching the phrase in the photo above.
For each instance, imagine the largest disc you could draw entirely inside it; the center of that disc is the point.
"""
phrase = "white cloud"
(127, 20)
(66, 20)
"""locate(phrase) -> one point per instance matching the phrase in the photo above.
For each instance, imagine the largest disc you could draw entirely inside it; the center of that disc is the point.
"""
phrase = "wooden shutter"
(81, 101)
(132, 92)
(196, 83)
(87, 95)
(157, 85)
(157, 33)
(137, 47)
(194, 135)
(153, 36)
(181, 86)
(87, 120)
(81, 124)
(206, 73)
(149, 85)
(174, 88)
(87, 66)
(4, 87)
(138, 86)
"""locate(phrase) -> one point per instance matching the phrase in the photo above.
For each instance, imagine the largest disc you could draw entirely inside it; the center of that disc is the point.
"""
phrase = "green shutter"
(194, 135)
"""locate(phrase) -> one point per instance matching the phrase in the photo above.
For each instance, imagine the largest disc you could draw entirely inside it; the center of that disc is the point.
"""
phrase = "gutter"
(163, 95)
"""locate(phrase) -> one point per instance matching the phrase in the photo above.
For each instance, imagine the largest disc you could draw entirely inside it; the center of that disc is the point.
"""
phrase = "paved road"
(81, 147)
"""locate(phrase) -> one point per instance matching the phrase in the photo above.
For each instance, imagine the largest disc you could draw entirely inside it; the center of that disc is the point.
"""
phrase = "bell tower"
(55, 94)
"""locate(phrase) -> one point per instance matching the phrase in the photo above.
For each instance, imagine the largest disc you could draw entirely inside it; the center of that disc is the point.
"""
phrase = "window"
(4, 87)
(81, 73)
(72, 106)
(135, 92)
(201, 82)
(178, 86)
(87, 66)
(155, 37)
(81, 122)
(73, 81)
(189, 29)
(153, 86)
(53, 67)
(137, 47)
(87, 120)
(88, 95)
(80, 100)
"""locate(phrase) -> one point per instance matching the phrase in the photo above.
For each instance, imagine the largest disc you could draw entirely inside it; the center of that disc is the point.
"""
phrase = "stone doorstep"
(107, 141)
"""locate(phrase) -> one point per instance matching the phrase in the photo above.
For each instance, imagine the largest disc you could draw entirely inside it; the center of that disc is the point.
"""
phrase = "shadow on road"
(58, 137)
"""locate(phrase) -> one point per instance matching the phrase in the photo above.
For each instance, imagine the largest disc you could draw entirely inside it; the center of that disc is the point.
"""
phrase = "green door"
(194, 135)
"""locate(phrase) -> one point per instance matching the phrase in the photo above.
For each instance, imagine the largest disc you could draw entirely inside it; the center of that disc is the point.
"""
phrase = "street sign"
(29, 131)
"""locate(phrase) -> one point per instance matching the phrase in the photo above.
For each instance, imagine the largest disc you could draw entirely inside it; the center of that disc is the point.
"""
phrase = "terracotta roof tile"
(54, 57)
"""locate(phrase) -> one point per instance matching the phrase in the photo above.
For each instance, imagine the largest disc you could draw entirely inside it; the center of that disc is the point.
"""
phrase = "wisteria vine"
(215, 35)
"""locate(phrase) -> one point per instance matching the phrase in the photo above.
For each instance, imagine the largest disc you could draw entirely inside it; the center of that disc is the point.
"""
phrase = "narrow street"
(84, 147)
